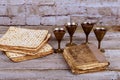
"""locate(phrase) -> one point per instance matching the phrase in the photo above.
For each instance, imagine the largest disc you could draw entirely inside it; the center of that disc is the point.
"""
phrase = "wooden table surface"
(54, 67)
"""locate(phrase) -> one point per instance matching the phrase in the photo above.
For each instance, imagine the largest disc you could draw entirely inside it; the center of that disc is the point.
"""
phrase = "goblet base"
(102, 50)
(86, 43)
(58, 50)
(70, 44)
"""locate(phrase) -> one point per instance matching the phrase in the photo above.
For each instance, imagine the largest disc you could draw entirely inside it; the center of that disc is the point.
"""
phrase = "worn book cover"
(85, 58)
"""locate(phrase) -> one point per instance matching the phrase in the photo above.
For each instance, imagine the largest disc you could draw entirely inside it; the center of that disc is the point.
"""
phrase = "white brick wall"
(58, 12)
(48, 20)
(3, 9)
(61, 20)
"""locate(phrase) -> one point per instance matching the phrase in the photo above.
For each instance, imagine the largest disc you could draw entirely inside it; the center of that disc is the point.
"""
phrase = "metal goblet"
(59, 34)
(100, 33)
(87, 27)
(71, 28)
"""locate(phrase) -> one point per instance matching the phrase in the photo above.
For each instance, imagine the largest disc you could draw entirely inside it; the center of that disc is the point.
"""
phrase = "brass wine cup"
(87, 27)
(100, 33)
(71, 28)
(59, 34)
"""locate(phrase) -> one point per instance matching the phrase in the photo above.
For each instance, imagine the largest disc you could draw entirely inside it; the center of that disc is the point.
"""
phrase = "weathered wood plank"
(54, 61)
(55, 75)
(112, 44)
(113, 56)
(118, 75)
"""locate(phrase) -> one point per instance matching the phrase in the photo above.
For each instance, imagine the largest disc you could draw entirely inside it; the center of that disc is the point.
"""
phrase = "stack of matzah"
(22, 44)
(85, 58)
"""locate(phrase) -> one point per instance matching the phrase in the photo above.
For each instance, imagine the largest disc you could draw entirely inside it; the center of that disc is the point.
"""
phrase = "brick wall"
(58, 12)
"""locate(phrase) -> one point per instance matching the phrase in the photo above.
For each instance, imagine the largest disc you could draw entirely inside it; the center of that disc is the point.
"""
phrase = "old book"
(78, 71)
(22, 40)
(85, 58)
(18, 57)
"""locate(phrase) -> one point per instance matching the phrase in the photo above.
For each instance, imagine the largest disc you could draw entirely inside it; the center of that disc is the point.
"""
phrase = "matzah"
(23, 40)
(28, 52)
(17, 57)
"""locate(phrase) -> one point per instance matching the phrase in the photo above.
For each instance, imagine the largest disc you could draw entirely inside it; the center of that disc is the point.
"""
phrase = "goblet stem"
(99, 44)
(58, 44)
(71, 39)
(86, 38)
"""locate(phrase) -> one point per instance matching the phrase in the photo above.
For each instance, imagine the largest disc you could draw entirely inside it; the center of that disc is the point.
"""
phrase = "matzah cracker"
(23, 38)
(17, 57)
(25, 50)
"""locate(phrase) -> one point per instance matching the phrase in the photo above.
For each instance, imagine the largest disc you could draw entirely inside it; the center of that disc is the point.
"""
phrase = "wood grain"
(113, 56)
(55, 75)
(55, 61)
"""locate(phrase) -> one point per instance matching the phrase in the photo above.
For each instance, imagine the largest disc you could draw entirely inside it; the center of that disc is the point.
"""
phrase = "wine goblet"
(71, 28)
(87, 27)
(59, 34)
(100, 33)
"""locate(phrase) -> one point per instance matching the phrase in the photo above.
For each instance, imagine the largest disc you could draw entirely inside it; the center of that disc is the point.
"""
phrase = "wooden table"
(54, 67)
